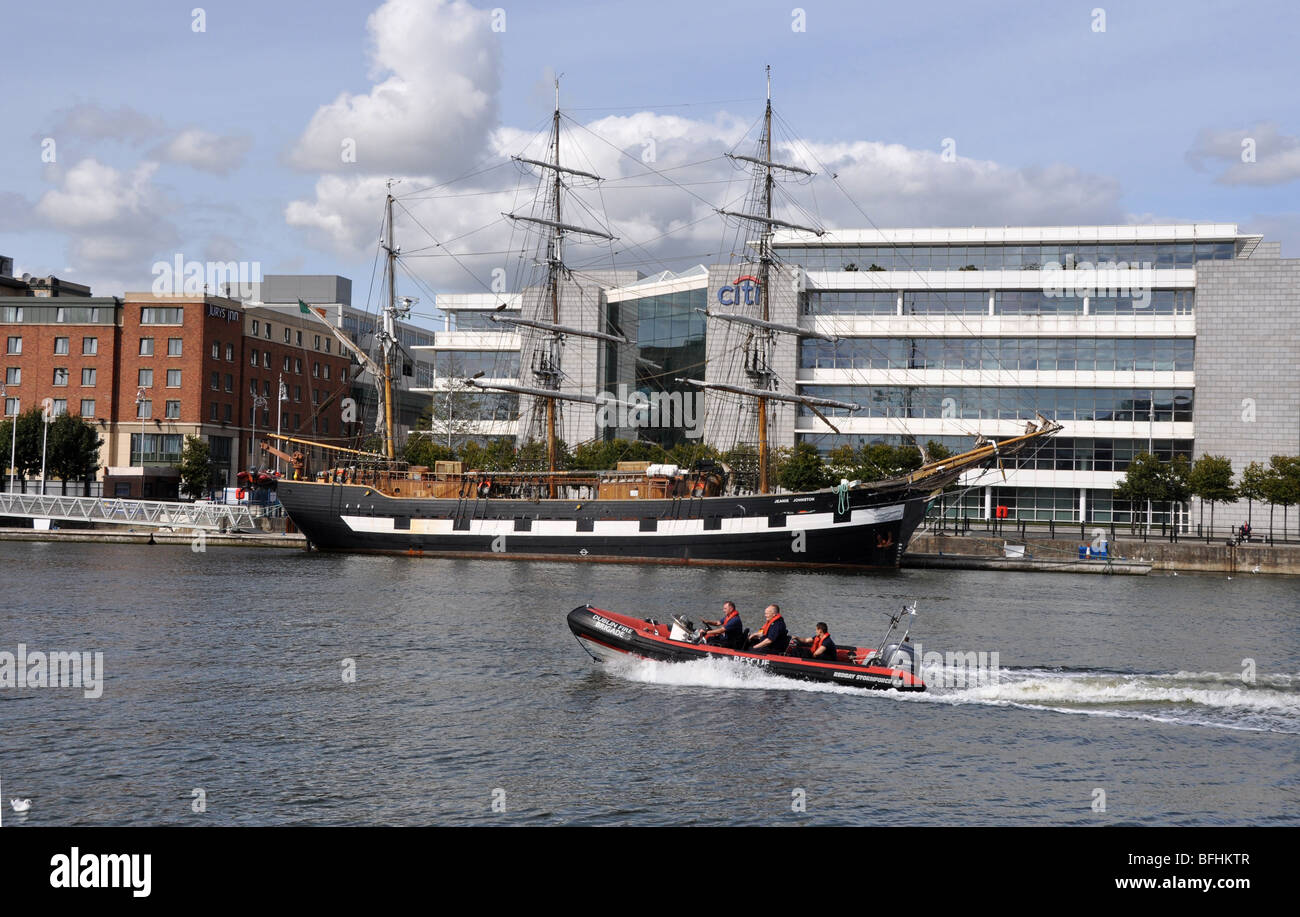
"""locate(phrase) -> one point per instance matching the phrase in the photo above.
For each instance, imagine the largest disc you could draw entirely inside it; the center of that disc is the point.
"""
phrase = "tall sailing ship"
(370, 502)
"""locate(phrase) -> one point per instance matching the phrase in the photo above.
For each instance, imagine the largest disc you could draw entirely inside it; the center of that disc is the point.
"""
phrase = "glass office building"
(1171, 339)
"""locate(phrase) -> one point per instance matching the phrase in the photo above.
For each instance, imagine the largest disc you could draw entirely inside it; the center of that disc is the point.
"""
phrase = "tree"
(604, 455)
(451, 415)
(498, 455)
(801, 468)
(424, 450)
(1281, 486)
(688, 454)
(1251, 487)
(1211, 480)
(27, 449)
(1149, 479)
(73, 449)
(196, 467)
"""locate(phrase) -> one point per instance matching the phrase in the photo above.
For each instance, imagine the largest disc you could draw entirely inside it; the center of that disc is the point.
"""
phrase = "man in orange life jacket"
(774, 637)
(728, 632)
(820, 647)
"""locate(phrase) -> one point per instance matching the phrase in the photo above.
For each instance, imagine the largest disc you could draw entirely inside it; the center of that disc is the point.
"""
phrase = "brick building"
(149, 370)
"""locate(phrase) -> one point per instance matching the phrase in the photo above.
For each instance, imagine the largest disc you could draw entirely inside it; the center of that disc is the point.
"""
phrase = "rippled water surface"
(225, 674)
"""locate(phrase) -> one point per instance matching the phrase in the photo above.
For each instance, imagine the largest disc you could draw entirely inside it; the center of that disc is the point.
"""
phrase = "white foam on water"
(1215, 699)
(1202, 699)
(716, 673)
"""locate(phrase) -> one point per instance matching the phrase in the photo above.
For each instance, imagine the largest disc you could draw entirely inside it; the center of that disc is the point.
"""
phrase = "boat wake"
(1205, 699)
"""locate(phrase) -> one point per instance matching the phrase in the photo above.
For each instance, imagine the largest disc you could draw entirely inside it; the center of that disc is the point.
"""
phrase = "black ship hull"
(862, 530)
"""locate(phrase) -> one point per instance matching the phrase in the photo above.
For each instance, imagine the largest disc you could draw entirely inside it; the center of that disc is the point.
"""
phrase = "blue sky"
(222, 143)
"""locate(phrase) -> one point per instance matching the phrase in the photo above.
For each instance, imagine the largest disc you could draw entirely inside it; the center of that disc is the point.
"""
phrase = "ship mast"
(763, 353)
(546, 362)
(387, 333)
(387, 337)
(759, 347)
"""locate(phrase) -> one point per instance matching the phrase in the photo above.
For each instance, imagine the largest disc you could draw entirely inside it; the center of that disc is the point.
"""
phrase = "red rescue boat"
(607, 635)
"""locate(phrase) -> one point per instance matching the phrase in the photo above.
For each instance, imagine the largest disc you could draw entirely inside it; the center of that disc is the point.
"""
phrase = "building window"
(230, 382)
(297, 393)
(173, 410)
(173, 347)
(15, 345)
(286, 335)
(11, 314)
(299, 341)
(11, 406)
(315, 396)
(268, 331)
(60, 406)
(216, 351)
(327, 370)
(216, 382)
(145, 379)
(159, 448)
(173, 378)
(14, 375)
(315, 370)
(213, 412)
(230, 353)
(89, 346)
(266, 359)
(61, 346)
(88, 376)
(316, 345)
(144, 409)
(286, 364)
(146, 347)
(328, 344)
(156, 316)
(225, 411)
(60, 375)
(266, 384)
(87, 407)
(60, 314)
(252, 386)
(297, 366)
(324, 424)
(257, 326)
(252, 357)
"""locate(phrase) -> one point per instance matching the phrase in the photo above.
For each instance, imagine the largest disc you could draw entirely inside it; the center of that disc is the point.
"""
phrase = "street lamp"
(13, 444)
(139, 412)
(47, 415)
(259, 401)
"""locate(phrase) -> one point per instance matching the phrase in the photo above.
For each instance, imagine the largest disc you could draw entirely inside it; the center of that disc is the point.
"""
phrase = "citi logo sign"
(744, 291)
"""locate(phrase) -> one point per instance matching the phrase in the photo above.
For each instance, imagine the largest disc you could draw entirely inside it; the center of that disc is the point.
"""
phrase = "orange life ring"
(485, 488)
(239, 493)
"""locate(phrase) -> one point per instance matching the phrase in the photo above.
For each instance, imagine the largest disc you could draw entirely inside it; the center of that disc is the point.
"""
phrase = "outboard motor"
(900, 656)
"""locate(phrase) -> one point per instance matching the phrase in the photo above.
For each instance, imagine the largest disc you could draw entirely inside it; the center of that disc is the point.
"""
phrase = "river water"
(1117, 700)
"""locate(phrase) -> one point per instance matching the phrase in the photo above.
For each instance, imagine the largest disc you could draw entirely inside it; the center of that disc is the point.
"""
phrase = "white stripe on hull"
(666, 528)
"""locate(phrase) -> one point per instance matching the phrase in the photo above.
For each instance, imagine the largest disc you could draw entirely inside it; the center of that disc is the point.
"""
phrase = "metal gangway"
(217, 517)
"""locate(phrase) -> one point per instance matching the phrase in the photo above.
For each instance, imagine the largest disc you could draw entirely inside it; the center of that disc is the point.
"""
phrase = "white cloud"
(205, 150)
(1276, 156)
(436, 66)
(91, 121)
(663, 210)
(115, 221)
